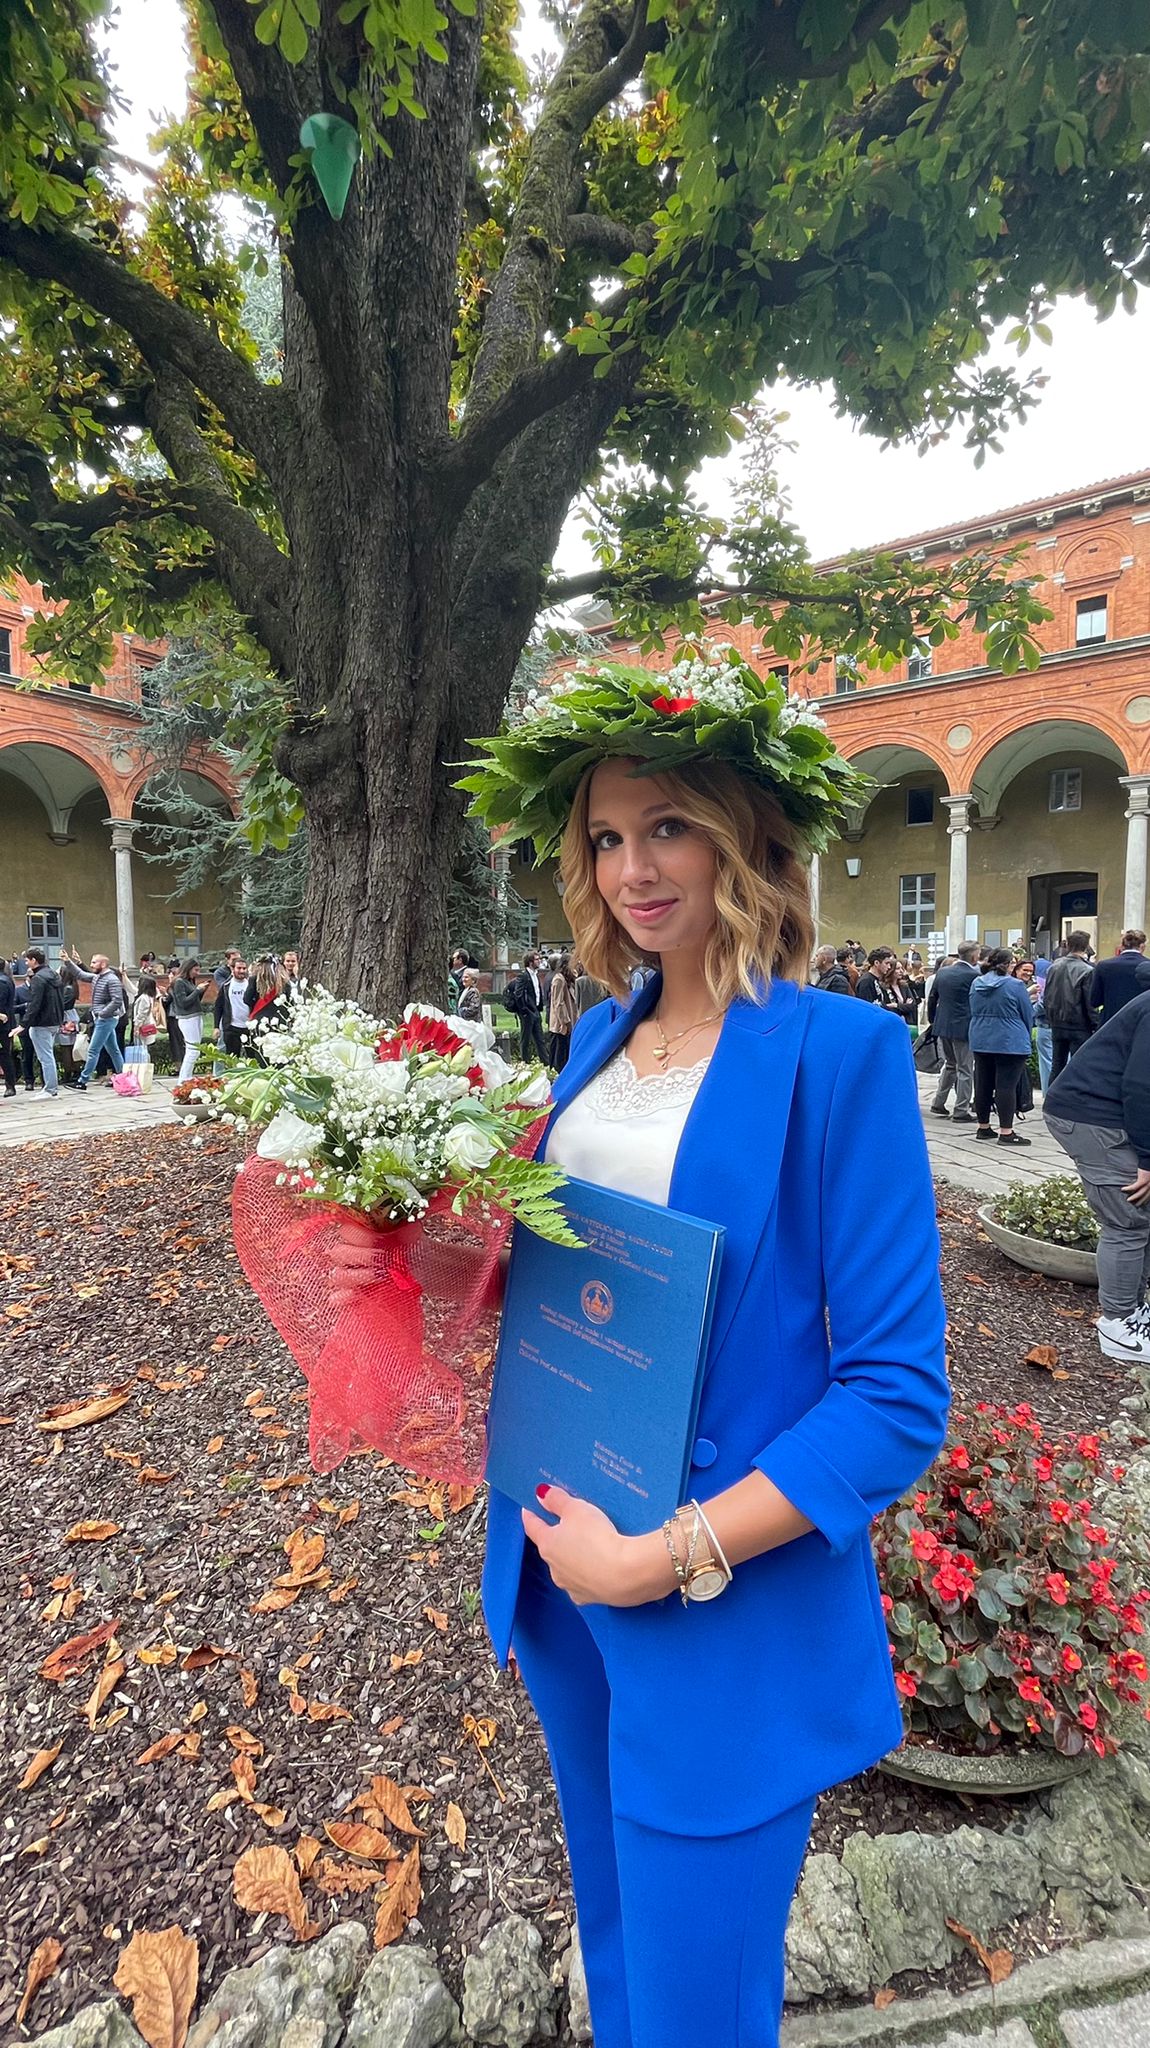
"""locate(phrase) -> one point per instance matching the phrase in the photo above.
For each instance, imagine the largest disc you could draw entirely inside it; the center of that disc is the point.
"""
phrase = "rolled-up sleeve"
(883, 1416)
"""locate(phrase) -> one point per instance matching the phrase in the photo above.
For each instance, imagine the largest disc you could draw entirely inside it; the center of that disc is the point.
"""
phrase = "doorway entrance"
(1058, 904)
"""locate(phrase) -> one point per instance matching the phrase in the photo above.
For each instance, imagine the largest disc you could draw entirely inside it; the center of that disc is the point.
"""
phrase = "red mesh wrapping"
(404, 1365)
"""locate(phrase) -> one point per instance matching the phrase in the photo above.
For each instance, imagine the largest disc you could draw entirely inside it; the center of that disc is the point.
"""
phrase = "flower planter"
(1038, 1254)
(193, 1112)
(1006, 1774)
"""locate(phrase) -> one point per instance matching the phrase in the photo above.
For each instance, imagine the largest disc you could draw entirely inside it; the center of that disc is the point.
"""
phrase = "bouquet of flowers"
(414, 1141)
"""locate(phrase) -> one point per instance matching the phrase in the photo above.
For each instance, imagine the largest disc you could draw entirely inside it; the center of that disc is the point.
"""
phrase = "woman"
(1025, 971)
(1001, 1019)
(187, 1009)
(470, 1005)
(561, 1015)
(689, 1741)
(145, 1022)
(266, 996)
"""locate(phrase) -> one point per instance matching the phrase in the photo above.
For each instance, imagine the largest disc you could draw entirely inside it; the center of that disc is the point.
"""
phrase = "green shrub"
(1055, 1209)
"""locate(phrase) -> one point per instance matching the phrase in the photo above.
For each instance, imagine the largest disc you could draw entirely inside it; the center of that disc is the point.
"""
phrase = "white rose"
(536, 1094)
(275, 1047)
(391, 1077)
(468, 1148)
(494, 1069)
(348, 1053)
(291, 1138)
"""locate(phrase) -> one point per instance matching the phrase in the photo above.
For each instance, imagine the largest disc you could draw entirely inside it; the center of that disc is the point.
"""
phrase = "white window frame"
(920, 664)
(916, 906)
(1065, 790)
(846, 674)
(1086, 610)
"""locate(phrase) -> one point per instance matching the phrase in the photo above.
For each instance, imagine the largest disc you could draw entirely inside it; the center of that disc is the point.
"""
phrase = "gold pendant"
(660, 1053)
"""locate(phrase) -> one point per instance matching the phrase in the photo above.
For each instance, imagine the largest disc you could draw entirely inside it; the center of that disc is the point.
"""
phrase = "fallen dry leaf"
(41, 1965)
(159, 1653)
(84, 1412)
(107, 1682)
(437, 1620)
(160, 1974)
(341, 1880)
(71, 1657)
(249, 1687)
(164, 1747)
(998, 1963)
(243, 1739)
(455, 1826)
(460, 1497)
(327, 1710)
(214, 1444)
(279, 1596)
(386, 1796)
(92, 1532)
(885, 1997)
(355, 1838)
(409, 1657)
(401, 1902)
(200, 1658)
(348, 1514)
(265, 1880)
(305, 1852)
(1043, 1355)
(41, 1762)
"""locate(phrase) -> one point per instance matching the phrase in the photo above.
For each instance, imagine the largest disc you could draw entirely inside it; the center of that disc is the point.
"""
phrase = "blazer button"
(704, 1452)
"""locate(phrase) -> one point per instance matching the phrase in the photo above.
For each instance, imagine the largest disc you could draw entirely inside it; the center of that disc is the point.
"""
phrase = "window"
(920, 664)
(82, 689)
(1090, 623)
(5, 651)
(524, 851)
(915, 907)
(920, 806)
(1066, 789)
(781, 674)
(846, 674)
(186, 925)
(143, 672)
(46, 928)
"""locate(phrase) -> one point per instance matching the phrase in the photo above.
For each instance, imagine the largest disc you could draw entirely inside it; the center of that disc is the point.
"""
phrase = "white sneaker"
(1124, 1336)
(51, 1093)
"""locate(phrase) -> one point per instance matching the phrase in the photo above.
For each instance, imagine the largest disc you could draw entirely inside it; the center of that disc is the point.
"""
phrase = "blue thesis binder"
(601, 1356)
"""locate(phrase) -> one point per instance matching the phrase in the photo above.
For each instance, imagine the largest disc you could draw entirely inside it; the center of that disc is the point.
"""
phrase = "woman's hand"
(356, 1260)
(590, 1560)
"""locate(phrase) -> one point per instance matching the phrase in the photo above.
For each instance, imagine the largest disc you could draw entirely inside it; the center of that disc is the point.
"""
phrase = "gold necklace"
(661, 1051)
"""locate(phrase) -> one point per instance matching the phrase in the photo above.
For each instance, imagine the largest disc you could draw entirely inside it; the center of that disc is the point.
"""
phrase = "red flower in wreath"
(668, 704)
(422, 1034)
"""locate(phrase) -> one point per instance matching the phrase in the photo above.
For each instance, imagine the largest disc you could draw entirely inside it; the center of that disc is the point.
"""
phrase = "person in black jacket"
(948, 1014)
(43, 1016)
(1116, 981)
(7, 1021)
(876, 984)
(1066, 1001)
(829, 975)
(524, 999)
(1098, 1109)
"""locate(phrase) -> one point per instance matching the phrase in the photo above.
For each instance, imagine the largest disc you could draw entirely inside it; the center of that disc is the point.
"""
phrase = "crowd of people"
(46, 1020)
(547, 995)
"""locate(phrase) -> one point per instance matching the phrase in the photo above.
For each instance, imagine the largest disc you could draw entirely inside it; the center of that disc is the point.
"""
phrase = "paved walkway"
(958, 1156)
(1090, 1997)
(74, 1113)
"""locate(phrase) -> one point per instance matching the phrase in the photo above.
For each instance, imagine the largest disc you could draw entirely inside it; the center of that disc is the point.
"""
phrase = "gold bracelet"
(680, 1568)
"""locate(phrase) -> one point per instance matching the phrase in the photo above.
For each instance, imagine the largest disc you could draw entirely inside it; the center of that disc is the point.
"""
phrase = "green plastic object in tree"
(334, 146)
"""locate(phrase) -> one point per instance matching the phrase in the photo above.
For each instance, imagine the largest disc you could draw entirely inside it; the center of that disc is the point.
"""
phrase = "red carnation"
(673, 703)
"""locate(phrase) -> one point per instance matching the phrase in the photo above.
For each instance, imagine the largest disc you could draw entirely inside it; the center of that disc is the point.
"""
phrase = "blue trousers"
(103, 1039)
(682, 1935)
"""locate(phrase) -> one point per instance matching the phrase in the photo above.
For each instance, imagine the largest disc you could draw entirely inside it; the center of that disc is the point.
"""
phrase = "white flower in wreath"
(276, 1047)
(467, 1148)
(290, 1138)
(349, 1054)
(391, 1077)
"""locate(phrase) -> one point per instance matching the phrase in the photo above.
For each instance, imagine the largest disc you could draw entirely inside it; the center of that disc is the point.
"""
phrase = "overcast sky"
(1093, 421)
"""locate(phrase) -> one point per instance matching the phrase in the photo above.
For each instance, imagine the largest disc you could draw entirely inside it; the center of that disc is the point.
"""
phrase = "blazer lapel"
(744, 1096)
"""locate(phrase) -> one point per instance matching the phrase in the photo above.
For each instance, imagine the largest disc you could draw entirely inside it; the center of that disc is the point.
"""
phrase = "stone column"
(125, 903)
(1137, 834)
(959, 833)
(816, 892)
(500, 868)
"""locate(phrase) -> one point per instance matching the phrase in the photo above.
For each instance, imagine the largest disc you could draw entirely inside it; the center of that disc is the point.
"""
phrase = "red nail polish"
(541, 1492)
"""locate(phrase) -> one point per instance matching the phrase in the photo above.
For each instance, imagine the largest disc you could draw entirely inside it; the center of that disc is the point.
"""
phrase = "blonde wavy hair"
(763, 926)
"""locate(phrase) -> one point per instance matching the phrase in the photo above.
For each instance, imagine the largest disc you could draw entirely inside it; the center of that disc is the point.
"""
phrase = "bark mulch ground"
(117, 1277)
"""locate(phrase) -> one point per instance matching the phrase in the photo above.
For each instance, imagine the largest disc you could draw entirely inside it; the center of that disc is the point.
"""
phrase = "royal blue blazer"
(825, 1371)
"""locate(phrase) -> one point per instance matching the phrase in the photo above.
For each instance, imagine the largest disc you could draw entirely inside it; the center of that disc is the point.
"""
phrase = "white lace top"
(622, 1130)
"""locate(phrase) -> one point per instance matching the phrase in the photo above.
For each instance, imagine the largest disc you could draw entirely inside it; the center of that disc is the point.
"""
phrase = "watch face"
(706, 1585)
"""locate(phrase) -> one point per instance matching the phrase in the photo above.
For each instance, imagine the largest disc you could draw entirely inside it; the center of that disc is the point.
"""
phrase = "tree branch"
(253, 569)
(789, 61)
(587, 78)
(166, 333)
(614, 239)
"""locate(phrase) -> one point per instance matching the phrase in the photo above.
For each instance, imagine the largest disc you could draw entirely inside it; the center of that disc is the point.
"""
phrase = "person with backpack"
(524, 999)
(1067, 1001)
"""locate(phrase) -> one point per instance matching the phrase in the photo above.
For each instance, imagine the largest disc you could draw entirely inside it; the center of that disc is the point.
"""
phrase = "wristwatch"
(705, 1572)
